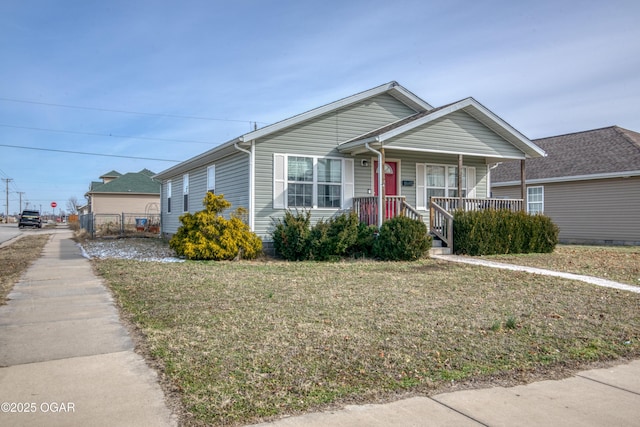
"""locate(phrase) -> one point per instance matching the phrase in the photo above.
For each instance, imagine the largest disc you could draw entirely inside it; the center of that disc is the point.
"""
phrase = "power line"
(109, 110)
(104, 134)
(89, 154)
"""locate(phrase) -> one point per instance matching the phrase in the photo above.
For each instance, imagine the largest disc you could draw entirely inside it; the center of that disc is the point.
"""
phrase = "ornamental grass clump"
(207, 235)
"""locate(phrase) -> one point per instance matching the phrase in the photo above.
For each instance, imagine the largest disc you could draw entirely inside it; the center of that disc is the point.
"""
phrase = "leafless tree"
(72, 205)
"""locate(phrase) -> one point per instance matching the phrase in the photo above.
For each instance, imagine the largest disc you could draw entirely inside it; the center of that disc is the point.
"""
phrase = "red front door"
(390, 185)
(390, 178)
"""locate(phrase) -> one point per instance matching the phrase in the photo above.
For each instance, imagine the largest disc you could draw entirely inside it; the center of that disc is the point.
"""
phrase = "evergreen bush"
(291, 236)
(206, 235)
(402, 239)
(491, 232)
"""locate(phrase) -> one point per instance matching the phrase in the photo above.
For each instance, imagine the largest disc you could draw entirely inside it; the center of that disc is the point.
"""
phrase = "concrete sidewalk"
(65, 357)
(600, 397)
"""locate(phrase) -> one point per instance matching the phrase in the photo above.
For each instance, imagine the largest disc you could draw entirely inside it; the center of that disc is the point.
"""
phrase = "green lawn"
(241, 341)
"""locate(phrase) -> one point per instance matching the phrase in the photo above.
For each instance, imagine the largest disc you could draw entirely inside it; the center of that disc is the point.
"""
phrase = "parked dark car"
(30, 219)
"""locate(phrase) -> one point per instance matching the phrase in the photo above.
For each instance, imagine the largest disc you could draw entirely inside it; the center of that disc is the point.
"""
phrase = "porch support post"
(460, 205)
(380, 183)
(382, 178)
(523, 185)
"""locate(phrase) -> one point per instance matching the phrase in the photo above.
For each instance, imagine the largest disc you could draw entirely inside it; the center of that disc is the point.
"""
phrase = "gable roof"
(392, 88)
(599, 153)
(468, 105)
(129, 183)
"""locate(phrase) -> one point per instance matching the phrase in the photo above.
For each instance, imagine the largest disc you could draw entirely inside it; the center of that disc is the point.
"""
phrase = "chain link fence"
(121, 225)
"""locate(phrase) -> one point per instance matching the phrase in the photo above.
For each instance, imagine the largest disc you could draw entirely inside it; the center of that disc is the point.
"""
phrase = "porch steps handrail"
(441, 223)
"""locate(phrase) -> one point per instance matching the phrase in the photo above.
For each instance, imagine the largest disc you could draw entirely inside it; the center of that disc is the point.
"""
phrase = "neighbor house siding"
(317, 137)
(121, 203)
(592, 211)
(456, 133)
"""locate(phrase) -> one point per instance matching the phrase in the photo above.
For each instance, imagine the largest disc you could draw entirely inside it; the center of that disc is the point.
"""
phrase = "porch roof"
(378, 137)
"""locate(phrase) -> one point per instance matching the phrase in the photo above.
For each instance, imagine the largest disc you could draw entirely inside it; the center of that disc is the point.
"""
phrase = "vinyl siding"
(459, 133)
(121, 203)
(232, 180)
(603, 211)
(317, 137)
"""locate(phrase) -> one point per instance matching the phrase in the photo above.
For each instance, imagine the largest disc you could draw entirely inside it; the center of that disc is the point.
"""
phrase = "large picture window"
(312, 182)
(535, 200)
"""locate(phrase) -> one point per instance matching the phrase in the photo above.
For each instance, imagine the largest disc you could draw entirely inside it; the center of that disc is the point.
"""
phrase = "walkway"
(588, 279)
(65, 357)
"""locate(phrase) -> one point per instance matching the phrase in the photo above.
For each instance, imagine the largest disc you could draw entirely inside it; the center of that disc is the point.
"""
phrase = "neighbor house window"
(169, 196)
(185, 192)
(535, 200)
(211, 179)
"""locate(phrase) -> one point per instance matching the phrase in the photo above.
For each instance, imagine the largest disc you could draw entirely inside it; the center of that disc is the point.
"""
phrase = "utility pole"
(7, 181)
(21, 193)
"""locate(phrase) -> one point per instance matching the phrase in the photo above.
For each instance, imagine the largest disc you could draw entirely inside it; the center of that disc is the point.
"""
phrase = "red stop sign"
(54, 204)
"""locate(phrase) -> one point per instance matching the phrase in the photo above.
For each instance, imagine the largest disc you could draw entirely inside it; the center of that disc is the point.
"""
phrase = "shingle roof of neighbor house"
(600, 152)
(132, 182)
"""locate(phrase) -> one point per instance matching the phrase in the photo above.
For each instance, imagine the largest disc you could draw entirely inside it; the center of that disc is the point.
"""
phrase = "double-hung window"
(169, 196)
(312, 182)
(442, 181)
(535, 200)
(211, 179)
(185, 192)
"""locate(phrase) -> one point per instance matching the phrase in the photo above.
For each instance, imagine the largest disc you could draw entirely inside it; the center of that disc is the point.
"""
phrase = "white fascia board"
(608, 175)
(194, 161)
(464, 153)
(317, 112)
(419, 103)
(461, 105)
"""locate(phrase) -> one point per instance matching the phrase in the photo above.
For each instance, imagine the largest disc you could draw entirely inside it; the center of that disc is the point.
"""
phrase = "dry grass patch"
(617, 263)
(247, 341)
(16, 258)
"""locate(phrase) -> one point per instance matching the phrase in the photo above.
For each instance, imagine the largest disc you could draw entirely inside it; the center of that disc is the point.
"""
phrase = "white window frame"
(281, 182)
(537, 202)
(211, 179)
(423, 181)
(185, 192)
(169, 196)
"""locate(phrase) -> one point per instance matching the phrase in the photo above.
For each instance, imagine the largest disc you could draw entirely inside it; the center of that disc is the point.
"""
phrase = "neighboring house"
(589, 185)
(134, 192)
(325, 161)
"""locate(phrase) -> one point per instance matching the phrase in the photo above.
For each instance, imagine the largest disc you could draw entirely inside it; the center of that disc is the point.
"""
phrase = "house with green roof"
(133, 192)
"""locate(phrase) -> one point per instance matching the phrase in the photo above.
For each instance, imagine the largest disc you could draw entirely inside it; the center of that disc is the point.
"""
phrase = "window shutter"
(347, 183)
(471, 182)
(421, 193)
(279, 181)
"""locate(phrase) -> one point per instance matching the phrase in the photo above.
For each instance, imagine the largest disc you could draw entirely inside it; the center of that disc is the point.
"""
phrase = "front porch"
(440, 214)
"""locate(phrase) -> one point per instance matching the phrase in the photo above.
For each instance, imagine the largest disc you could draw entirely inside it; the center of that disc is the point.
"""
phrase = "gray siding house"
(589, 185)
(325, 160)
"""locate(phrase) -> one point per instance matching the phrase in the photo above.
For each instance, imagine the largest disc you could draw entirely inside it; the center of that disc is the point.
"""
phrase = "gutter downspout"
(252, 168)
(380, 184)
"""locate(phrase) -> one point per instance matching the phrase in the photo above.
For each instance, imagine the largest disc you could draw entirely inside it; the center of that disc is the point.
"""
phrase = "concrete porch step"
(439, 251)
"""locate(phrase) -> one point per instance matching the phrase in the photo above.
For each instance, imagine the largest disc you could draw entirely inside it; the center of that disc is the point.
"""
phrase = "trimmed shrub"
(491, 232)
(402, 239)
(205, 235)
(363, 248)
(291, 236)
(333, 239)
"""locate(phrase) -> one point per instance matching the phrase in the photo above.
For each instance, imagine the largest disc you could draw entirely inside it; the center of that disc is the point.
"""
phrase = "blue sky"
(546, 67)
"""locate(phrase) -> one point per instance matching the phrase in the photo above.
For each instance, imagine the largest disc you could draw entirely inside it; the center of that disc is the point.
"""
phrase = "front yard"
(241, 341)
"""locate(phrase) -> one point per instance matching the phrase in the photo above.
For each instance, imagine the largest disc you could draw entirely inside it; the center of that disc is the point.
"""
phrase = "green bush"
(205, 235)
(402, 239)
(492, 232)
(333, 239)
(291, 236)
(363, 247)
